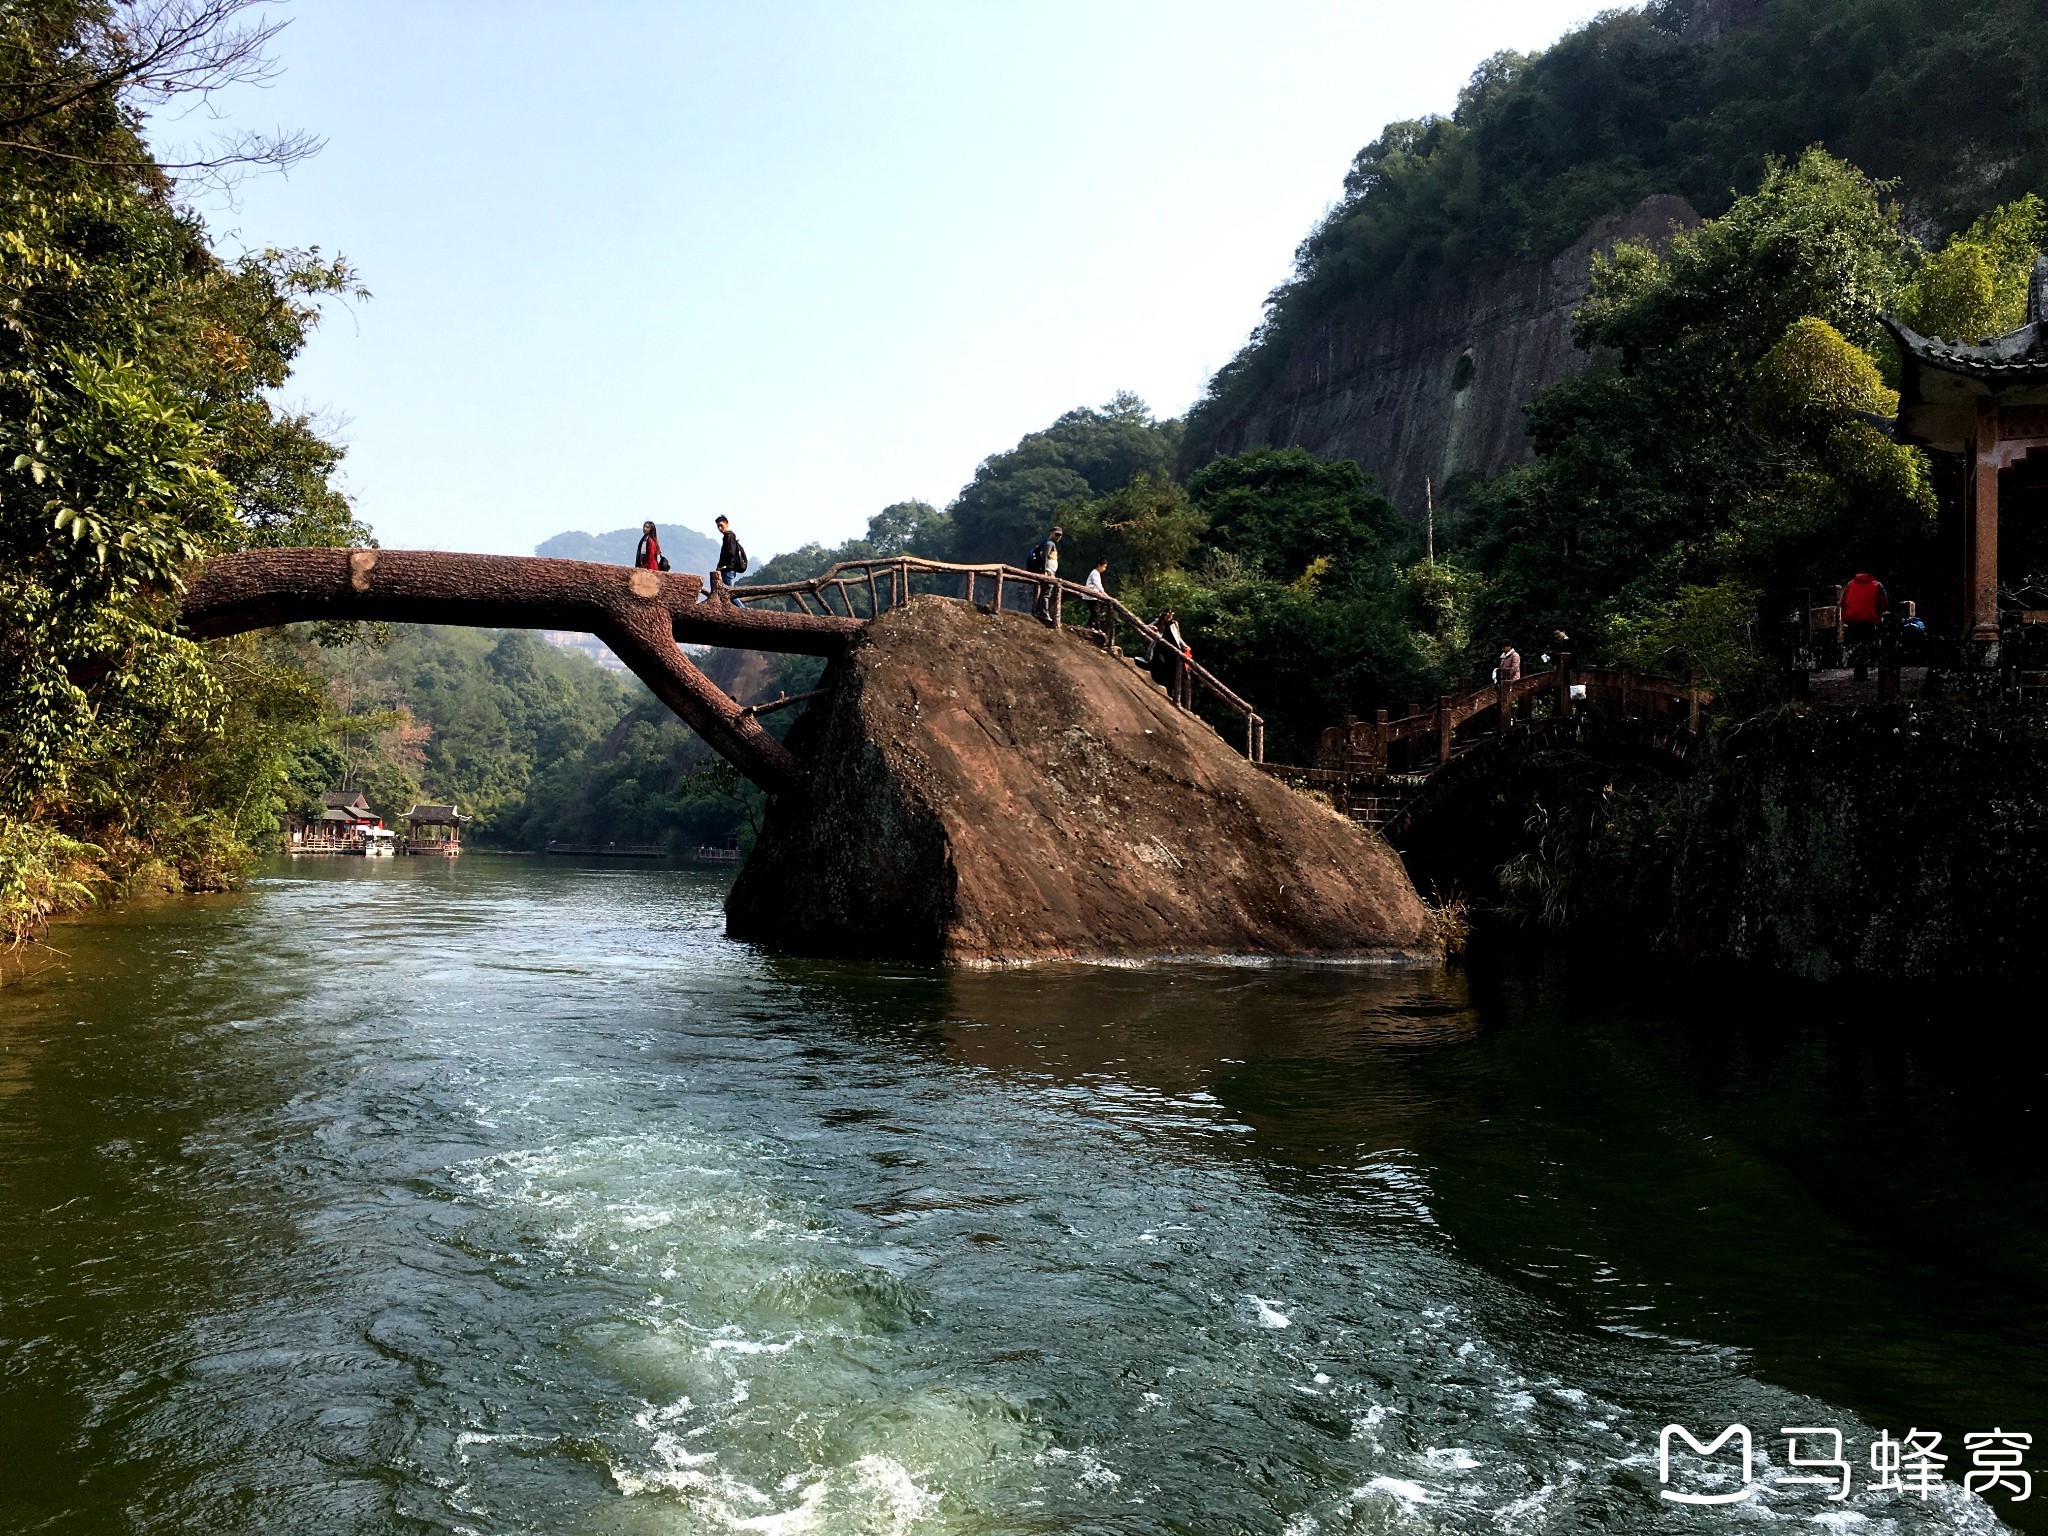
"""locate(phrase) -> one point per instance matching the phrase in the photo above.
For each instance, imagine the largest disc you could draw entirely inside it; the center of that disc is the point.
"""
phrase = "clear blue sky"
(793, 262)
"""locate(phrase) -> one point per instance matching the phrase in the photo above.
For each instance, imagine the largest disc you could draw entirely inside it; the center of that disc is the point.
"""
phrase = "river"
(505, 1195)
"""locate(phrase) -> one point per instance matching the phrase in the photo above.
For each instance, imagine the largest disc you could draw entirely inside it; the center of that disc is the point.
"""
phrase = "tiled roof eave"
(1981, 363)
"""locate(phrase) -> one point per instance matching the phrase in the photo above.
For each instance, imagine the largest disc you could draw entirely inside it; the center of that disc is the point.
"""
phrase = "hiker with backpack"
(732, 557)
(1171, 660)
(1044, 560)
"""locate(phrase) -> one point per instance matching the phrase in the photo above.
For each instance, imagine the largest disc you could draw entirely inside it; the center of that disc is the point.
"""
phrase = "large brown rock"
(983, 790)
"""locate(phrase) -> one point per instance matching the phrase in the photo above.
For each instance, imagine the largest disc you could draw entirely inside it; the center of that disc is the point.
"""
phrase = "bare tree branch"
(157, 50)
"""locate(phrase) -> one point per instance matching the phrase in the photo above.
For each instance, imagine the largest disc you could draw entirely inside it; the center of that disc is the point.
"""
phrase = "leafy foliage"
(1635, 103)
(1016, 495)
(137, 433)
(534, 741)
(1727, 444)
(1975, 287)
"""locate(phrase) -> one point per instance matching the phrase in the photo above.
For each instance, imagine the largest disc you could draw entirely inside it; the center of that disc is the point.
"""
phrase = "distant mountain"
(687, 550)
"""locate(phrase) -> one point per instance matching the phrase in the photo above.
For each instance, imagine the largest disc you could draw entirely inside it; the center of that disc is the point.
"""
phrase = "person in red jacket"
(1864, 602)
(648, 556)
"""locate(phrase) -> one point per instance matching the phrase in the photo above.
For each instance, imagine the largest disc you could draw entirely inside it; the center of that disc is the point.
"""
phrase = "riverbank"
(1874, 845)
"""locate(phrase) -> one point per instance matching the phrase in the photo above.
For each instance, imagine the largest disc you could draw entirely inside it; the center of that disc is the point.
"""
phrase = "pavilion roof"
(1941, 381)
(2019, 356)
(434, 815)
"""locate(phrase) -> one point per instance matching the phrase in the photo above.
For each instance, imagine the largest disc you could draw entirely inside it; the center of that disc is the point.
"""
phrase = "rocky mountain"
(1435, 297)
(1429, 387)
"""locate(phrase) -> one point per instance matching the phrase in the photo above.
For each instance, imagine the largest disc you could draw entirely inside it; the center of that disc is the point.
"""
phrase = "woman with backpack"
(648, 556)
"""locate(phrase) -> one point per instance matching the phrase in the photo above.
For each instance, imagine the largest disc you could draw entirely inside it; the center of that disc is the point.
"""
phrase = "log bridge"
(1380, 770)
(645, 617)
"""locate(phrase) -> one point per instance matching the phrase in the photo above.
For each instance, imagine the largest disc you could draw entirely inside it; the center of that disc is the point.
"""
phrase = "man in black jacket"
(732, 560)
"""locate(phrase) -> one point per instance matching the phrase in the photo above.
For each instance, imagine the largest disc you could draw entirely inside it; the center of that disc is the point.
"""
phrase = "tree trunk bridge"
(645, 617)
(1380, 770)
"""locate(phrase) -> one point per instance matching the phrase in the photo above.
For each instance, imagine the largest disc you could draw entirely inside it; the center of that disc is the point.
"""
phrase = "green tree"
(136, 434)
(1145, 529)
(909, 528)
(1281, 508)
(1015, 495)
(1724, 435)
(1975, 286)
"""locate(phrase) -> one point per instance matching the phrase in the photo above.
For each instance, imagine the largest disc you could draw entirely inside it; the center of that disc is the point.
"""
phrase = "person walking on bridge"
(1509, 668)
(732, 557)
(1044, 560)
(1098, 610)
(1864, 603)
(1172, 660)
(648, 556)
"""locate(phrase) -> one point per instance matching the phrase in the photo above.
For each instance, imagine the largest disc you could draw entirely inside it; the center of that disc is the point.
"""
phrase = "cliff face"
(1434, 386)
(985, 791)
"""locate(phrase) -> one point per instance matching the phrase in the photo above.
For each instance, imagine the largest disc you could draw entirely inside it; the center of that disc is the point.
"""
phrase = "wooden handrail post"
(999, 589)
(1056, 595)
(1692, 700)
(1445, 724)
(1379, 740)
(1506, 702)
(1258, 740)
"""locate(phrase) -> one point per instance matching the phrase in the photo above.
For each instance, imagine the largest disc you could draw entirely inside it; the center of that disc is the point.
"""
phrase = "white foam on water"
(1270, 1315)
(1411, 1494)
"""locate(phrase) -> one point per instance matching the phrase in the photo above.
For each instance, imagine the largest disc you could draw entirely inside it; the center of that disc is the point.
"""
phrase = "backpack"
(739, 558)
(1035, 561)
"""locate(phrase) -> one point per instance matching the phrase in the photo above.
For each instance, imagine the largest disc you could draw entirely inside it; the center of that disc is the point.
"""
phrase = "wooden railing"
(893, 580)
(1370, 746)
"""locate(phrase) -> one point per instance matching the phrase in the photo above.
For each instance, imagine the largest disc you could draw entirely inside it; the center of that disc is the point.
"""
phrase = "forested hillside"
(534, 741)
(1714, 443)
(1943, 96)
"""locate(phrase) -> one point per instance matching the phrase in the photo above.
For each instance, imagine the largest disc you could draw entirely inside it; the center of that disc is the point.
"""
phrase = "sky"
(793, 262)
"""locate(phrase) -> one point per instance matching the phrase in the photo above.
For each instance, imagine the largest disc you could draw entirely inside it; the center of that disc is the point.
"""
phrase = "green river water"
(504, 1195)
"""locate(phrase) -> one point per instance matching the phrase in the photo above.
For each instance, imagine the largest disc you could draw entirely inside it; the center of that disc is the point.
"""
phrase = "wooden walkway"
(1375, 770)
(865, 589)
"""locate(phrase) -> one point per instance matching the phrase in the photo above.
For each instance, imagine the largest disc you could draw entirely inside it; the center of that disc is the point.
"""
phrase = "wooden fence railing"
(1431, 734)
(893, 580)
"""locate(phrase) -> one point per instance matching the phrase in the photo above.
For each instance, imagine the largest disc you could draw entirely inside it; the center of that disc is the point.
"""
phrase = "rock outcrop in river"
(983, 790)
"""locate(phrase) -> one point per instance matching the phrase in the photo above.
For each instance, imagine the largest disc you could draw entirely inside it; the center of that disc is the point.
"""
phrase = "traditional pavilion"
(1989, 403)
(434, 829)
(344, 813)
